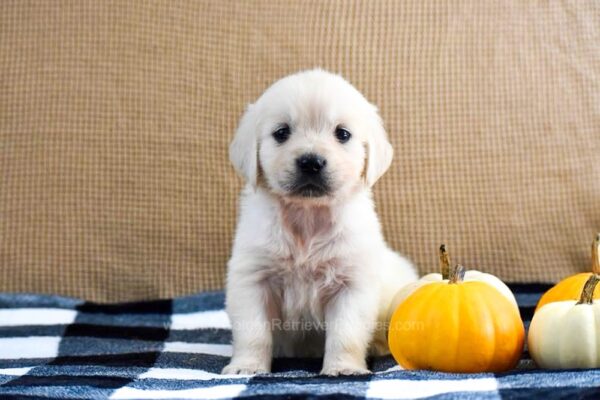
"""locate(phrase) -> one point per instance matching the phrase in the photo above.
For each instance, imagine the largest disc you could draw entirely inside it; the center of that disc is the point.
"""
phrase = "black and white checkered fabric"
(54, 347)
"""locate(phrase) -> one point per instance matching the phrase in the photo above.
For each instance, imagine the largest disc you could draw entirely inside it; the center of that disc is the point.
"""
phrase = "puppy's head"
(311, 135)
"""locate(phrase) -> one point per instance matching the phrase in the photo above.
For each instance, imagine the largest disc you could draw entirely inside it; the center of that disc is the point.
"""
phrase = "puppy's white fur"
(310, 275)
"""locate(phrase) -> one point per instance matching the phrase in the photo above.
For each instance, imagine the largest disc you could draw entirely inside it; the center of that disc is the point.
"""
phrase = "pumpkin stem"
(587, 294)
(444, 262)
(596, 255)
(457, 275)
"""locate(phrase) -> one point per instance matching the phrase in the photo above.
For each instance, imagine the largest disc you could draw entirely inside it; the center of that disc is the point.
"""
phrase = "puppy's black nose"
(311, 164)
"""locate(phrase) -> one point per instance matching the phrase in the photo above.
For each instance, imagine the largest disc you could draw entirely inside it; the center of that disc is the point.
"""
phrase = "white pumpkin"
(470, 275)
(566, 334)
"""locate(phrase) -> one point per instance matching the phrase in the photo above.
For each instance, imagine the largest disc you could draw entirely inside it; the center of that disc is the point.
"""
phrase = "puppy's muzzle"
(311, 178)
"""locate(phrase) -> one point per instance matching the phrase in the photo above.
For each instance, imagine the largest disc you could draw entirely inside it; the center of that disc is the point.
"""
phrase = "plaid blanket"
(56, 347)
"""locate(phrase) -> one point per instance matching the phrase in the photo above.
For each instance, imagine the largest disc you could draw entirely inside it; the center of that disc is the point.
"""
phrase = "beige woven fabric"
(115, 118)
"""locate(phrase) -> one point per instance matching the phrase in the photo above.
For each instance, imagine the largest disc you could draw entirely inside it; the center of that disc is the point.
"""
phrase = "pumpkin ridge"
(457, 300)
(560, 341)
(409, 311)
(481, 295)
(542, 324)
(437, 290)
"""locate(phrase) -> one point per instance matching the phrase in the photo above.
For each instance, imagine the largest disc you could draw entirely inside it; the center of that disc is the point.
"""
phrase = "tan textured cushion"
(115, 118)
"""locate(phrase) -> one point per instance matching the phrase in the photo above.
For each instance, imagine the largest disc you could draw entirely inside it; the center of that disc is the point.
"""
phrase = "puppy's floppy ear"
(243, 150)
(379, 150)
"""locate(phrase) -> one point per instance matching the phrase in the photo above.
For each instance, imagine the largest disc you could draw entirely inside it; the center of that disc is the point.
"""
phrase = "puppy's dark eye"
(282, 134)
(342, 135)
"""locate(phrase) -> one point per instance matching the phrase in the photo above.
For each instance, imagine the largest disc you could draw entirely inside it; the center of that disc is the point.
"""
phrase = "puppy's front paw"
(249, 367)
(344, 369)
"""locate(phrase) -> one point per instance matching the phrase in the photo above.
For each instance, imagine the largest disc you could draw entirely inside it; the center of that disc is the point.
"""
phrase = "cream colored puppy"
(310, 272)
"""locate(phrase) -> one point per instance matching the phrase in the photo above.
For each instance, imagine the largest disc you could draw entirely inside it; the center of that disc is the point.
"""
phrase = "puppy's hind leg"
(246, 305)
(396, 272)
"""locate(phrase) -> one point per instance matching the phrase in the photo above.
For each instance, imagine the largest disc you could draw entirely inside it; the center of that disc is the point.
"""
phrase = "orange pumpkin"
(570, 288)
(457, 326)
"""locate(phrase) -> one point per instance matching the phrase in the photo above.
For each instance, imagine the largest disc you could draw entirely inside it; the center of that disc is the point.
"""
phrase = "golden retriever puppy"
(310, 272)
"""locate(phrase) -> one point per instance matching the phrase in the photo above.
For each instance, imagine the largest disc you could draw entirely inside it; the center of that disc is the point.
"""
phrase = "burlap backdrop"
(115, 118)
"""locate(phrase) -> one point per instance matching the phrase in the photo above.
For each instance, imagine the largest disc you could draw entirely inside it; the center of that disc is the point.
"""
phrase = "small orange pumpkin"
(457, 326)
(570, 288)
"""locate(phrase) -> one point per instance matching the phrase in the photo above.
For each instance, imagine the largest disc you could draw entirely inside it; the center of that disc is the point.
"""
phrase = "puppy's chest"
(307, 241)
(308, 271)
